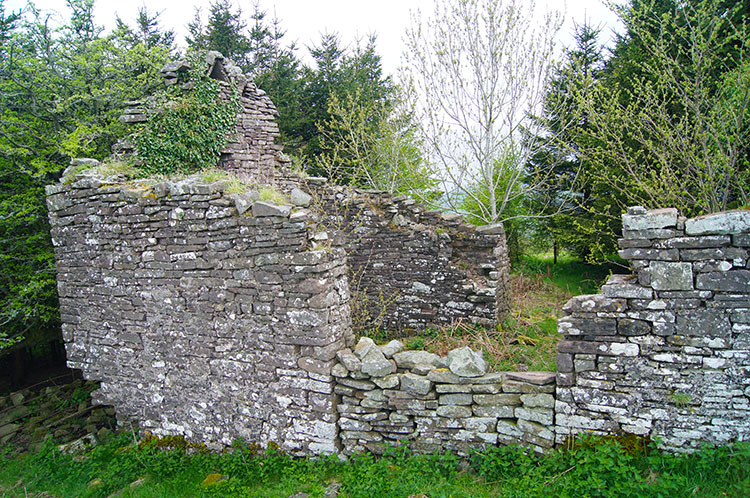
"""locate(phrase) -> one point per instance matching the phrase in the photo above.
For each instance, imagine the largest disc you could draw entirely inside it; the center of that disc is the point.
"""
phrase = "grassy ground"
(527, 341)
(603, 468)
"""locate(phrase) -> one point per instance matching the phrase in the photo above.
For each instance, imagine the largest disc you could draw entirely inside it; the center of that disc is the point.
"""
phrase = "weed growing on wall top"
(189, 129)
(269, 194)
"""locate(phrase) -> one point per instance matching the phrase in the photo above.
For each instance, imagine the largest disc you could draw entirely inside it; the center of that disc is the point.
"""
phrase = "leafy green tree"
(340, 74)
(277, 70)
(578, 212)
(480, 69)
(374, 145)
(517, 213)
(668, 125)
(147, 31)
(61, 93)
(224, 32)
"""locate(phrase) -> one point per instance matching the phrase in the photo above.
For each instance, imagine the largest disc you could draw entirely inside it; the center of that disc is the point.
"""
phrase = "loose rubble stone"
(364, 346)
(410, 359)
(261, 208)
(375, 364)
(466, 363)
(392, 348)
(300, 198)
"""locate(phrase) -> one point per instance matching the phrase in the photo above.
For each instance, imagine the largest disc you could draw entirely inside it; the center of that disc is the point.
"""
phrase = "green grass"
(569, 274)
(528, 339)
(232, 183)
(270, 194)
(593, 468)
(540, 289)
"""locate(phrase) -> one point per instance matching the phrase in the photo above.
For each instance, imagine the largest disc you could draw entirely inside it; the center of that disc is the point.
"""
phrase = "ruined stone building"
(216, 315)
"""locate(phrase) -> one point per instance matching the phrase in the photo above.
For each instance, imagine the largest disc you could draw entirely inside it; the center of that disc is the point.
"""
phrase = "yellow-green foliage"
(234, 185)
(269, 194)
(118, 168)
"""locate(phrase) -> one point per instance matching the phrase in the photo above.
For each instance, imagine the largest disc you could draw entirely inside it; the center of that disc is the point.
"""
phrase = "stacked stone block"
(389, 396)
(202, 313)
(665, 352)
(411, 268)
(253, 151)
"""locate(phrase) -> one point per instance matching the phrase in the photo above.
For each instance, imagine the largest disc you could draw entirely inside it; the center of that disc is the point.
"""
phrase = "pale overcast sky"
(305, 20)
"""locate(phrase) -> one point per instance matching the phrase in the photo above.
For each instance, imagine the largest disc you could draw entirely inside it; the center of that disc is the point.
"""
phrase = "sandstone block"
(588, 303)
(443, 375)
(409, 359)
(479, 424)
(497, 411)
(300, 198)
(455, 399)
(573, 326)
(375, 364)
(392, 348)
(729, 281)
(450, 411)
(695, 242)
(536, 378)
(391, 381)
(363, 347)
(262, 209)
(415, 384)
(497, 399)
(339, 370)
(538, 400)
(653, 219)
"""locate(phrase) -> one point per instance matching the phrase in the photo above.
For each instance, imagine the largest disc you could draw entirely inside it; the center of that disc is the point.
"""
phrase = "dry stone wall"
(389, 396)
(217, 316)
(412, 268)
(663, 353)
(202, 313)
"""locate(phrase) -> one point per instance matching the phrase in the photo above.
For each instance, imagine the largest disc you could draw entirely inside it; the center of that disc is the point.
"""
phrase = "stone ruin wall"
(412, 268)
(201, 313)
(665, 352)
(217, 316)
(252, 151)
(389, 396)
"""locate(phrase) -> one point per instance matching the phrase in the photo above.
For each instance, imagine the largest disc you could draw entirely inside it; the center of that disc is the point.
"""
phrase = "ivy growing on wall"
(189, 129)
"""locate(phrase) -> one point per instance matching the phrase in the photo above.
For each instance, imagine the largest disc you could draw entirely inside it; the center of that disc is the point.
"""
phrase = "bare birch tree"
(480, 70)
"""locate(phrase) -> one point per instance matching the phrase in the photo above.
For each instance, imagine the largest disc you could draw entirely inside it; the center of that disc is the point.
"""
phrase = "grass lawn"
(594, 468)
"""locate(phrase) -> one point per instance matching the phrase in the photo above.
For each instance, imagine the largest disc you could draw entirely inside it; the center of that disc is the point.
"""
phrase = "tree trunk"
(554, 251)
